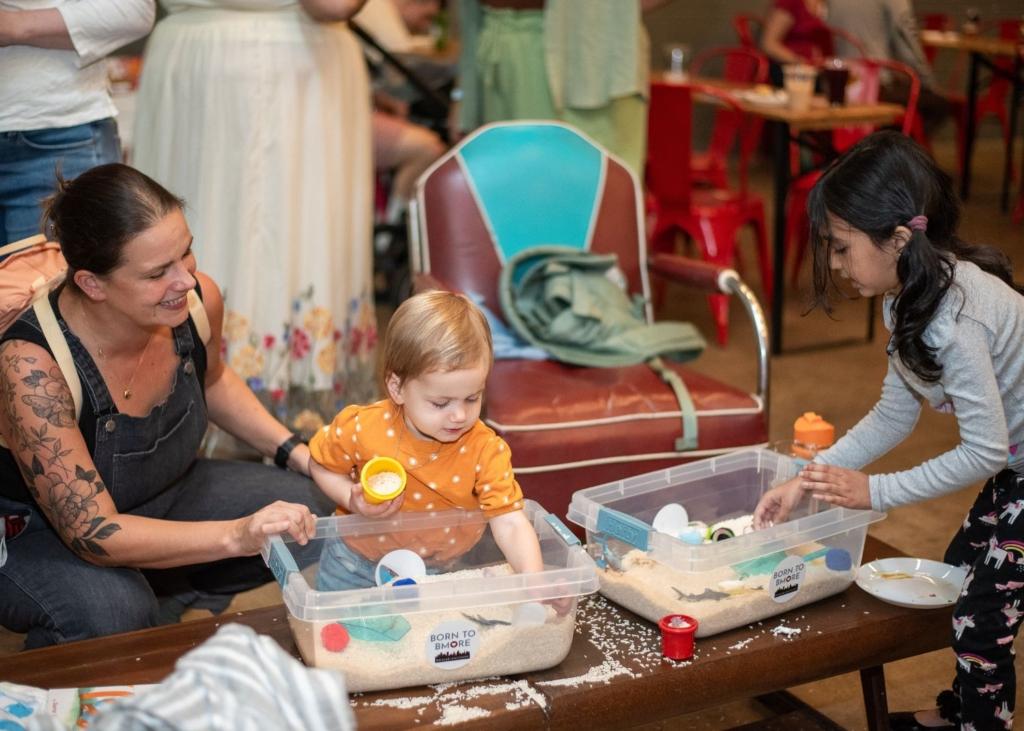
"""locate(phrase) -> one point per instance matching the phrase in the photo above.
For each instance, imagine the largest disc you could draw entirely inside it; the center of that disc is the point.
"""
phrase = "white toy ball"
(399, 564)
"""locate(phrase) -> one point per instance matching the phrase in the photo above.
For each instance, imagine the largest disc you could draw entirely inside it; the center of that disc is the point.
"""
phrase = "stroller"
(426, 88)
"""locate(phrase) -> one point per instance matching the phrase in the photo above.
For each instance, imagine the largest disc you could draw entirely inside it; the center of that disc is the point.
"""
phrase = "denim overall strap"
(140, 457)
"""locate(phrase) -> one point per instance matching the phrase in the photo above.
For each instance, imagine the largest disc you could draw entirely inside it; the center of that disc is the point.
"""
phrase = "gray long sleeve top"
(887, 29)
(978, 330)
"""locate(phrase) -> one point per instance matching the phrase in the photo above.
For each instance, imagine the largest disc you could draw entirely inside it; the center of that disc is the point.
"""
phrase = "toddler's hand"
(358, 504)
(561, 605)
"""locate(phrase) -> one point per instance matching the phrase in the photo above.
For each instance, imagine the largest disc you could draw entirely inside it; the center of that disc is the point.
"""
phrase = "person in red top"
(795, 32)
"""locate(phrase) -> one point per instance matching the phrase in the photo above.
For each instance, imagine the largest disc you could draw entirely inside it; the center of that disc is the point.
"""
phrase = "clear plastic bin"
(469, 618)
(727, 584)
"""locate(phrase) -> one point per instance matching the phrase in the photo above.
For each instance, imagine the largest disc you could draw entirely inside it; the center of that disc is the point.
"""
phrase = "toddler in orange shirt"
(436, 358)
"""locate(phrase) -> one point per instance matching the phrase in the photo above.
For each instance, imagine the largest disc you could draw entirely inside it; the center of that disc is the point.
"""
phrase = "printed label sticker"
(451, 645)
(786, 579)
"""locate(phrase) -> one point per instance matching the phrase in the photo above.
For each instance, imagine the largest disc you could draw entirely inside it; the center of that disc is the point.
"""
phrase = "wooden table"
(983, 50)
(787, 124)
(613, 678)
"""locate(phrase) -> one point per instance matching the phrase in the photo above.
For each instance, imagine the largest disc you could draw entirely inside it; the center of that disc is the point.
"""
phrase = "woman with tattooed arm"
(116, 509)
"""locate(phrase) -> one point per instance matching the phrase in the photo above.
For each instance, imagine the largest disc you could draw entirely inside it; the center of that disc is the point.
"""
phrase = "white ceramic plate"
(912, 582)
(777, 98)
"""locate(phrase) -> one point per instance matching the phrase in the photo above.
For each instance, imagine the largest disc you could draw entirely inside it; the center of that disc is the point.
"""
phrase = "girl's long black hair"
(883, 182)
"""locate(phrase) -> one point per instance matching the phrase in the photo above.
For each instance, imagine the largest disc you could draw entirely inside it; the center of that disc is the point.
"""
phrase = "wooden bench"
(613, 678)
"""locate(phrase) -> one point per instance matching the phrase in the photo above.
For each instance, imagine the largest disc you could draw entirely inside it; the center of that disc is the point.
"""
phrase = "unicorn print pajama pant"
(990, 544)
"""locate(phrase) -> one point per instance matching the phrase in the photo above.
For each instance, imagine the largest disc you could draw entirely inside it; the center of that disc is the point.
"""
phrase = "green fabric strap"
(688, 440)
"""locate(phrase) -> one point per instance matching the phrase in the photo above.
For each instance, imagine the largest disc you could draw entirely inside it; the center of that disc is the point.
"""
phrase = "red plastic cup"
(677, 632)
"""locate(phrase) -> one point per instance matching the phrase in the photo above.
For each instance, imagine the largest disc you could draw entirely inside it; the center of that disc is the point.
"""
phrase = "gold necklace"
(127, 393)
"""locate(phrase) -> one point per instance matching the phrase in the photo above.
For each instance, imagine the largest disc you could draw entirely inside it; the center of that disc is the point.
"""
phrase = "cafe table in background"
(985, 51)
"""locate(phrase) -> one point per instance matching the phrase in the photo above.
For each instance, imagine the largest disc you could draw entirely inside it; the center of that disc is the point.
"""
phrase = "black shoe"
(905, 721)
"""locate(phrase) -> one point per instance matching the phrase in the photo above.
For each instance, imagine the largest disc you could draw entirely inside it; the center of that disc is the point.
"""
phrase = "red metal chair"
(935, 21)
(712, 217)
(746, 65)
(994, 102)
(865, 88)
(748, 29)
(512, 185)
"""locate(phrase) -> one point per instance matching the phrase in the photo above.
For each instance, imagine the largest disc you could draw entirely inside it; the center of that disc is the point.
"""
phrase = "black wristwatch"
(285, 451)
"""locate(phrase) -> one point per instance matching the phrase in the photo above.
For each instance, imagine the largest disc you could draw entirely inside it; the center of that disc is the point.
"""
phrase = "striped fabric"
(235, 681)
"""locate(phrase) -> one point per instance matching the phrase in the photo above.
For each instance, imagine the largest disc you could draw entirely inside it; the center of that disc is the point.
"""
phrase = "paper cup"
(798, 80)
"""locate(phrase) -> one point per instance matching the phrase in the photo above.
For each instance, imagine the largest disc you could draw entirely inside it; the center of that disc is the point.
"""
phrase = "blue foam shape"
(838, 559)
(693, 537)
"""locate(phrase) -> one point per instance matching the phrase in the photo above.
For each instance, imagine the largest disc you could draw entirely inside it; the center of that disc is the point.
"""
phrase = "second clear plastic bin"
(724, 585)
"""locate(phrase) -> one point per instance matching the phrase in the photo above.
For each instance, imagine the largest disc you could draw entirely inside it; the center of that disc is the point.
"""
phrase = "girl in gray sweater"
(884, 216)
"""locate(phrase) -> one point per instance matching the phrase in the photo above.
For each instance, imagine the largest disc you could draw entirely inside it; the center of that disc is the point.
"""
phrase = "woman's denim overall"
(150, 468)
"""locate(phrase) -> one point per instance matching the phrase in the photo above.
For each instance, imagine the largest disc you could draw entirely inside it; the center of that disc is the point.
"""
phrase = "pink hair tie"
(918, 223)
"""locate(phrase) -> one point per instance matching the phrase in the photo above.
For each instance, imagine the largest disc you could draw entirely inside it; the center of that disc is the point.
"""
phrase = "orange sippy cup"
(811, 434)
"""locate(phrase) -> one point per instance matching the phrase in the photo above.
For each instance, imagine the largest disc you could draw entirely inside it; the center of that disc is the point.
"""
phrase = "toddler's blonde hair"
(435, 331)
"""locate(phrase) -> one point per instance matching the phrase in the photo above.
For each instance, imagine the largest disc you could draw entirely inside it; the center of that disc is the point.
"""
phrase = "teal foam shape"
(758, 566)
(378, 629)
(767, 563)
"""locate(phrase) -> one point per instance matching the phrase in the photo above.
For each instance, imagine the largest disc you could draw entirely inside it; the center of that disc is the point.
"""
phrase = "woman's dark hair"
(883, 182)
(94, 215)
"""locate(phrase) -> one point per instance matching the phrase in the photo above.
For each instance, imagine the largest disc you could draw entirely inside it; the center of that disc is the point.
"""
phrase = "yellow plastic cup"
(376, 466)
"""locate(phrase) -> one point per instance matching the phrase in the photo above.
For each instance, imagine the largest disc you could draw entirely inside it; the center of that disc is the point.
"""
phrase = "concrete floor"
(841, 384)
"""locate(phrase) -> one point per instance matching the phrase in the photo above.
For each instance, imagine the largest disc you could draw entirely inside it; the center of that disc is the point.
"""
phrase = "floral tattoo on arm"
(65, 492)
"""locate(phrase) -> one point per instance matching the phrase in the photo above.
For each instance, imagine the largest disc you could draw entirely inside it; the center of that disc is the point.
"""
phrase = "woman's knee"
(119, 600)
(123, 602)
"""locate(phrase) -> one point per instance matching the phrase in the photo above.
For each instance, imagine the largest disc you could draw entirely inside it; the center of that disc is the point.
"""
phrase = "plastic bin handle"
(564, 533)
(280, 561)
(626, 528)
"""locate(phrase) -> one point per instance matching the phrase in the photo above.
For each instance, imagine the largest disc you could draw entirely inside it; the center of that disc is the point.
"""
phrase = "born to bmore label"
(451, 645)
(786, 579)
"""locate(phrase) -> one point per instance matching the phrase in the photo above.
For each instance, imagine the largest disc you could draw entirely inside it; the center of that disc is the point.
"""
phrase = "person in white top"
(54, 105)
(257, 112)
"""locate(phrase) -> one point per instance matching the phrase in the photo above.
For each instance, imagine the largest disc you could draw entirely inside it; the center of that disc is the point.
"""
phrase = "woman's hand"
(357, 503)
(776, 504)
(278, 517)
(836, 485)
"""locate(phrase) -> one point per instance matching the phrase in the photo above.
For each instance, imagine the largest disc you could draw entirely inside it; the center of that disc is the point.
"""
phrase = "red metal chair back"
(669, 144)
(744, 65)
(748, 29)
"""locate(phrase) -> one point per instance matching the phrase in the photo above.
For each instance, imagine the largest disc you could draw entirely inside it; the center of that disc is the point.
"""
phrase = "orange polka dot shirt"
(474, 472)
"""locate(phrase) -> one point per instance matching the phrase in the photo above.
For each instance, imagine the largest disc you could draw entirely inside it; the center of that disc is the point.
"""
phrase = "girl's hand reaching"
(836, 485)
(776, 504)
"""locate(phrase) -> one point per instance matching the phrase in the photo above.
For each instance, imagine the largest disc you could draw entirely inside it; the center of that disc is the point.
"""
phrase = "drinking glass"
(677, 56)
(837, 75)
